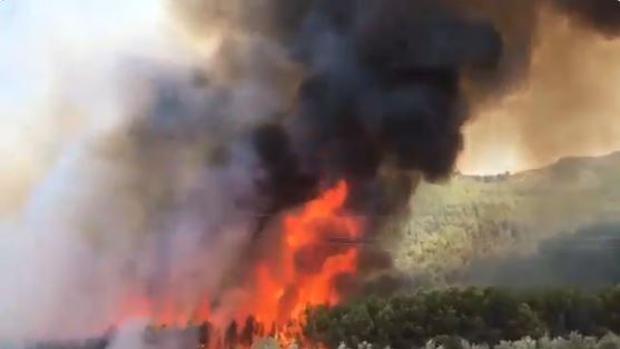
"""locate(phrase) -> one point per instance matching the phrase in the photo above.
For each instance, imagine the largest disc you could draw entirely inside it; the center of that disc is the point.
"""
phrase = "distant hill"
(456, 224)
(588, 259)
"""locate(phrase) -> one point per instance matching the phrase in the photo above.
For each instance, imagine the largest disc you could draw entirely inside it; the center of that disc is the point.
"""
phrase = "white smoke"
(130, 336)
(136, 334)
(111, 189)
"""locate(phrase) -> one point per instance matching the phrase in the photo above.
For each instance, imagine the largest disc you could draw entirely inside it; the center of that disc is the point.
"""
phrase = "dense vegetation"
(573, 341)
(477, 315)
(470, 219)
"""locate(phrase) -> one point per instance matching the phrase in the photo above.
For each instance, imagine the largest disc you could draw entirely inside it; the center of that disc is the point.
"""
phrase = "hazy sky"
(567, 105)
(57, 60)
(60, 65)
(38, 37)
(80, 41)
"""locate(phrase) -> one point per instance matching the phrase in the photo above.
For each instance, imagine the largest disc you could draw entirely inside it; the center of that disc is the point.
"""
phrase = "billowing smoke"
(601, 15)
(558, 67)
(380, 92)
(254, 109)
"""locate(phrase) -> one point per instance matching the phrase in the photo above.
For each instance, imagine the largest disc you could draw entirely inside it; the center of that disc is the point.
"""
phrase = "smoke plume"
(380, 91)
(246, 110)
(557, 96)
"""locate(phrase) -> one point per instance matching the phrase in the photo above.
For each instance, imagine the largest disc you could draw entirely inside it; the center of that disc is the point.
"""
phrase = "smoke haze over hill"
(161, 150)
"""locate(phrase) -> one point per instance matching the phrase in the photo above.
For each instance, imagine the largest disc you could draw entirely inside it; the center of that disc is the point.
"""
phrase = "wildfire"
(301, 270)
(308, 263)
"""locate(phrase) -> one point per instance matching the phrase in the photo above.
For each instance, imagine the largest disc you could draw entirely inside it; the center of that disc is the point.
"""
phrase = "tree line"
(478, 315)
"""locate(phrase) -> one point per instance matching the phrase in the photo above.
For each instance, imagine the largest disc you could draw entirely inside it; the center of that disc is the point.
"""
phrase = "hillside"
(468, 219)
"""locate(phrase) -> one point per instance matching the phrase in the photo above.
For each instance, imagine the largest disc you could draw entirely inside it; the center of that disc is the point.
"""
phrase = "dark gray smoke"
(602, 15)
(384, 87)
(555, 72)
(387, 86)
(300, 94)
(380, 91)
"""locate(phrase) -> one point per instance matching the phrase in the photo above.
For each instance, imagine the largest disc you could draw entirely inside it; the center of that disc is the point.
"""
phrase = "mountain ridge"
(468, 218)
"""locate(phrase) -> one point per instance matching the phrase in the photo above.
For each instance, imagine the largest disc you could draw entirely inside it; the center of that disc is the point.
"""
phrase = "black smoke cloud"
(300, 94)
(385, 86)
(602, 15)
(380, 93)
(520, 22)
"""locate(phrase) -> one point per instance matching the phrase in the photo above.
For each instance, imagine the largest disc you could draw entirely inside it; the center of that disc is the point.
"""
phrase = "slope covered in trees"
(453, 225)
(478, 315)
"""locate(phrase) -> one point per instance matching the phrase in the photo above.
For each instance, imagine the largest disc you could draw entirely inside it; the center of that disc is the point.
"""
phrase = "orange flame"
(283, 294)
(300, 272)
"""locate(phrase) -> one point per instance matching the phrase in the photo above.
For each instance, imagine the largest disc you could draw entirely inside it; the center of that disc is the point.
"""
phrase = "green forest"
(477, 315)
